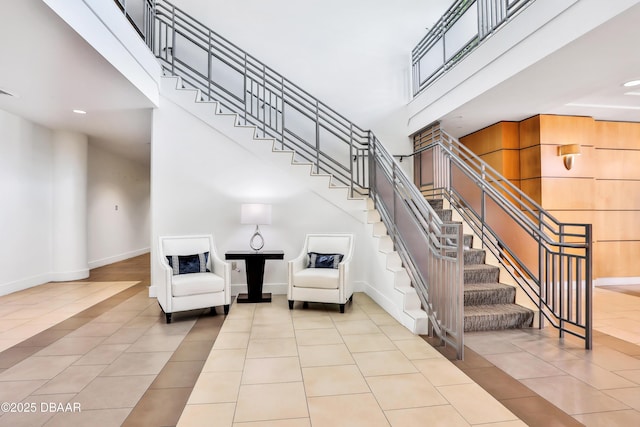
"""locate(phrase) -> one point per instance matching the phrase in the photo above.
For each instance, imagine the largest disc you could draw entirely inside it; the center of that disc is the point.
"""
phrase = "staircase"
(488, 304)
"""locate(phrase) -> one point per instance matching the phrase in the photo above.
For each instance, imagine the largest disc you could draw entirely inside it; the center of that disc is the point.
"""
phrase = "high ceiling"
(583, 78)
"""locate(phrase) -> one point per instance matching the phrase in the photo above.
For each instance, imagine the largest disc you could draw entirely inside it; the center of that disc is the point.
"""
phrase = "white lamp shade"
(255, 213)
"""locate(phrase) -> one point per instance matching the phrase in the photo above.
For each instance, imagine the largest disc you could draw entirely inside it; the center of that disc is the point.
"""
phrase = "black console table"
(254, 263)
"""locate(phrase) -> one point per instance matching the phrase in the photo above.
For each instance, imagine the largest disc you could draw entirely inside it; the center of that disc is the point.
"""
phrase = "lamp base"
(257, 242)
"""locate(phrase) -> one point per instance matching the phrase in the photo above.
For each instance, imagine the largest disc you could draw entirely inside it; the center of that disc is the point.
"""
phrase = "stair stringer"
(389, 284)
(246, 136)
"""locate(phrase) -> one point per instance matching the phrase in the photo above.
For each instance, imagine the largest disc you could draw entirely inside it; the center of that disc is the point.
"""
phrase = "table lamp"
(258, 214)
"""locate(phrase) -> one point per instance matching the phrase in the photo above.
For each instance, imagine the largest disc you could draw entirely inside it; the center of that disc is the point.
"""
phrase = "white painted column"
(69, 242)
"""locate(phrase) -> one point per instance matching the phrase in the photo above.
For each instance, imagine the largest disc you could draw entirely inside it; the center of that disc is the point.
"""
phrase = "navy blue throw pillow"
(317, 260)
(185, 264)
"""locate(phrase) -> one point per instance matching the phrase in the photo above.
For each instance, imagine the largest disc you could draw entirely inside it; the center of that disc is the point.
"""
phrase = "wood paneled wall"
(602, 188)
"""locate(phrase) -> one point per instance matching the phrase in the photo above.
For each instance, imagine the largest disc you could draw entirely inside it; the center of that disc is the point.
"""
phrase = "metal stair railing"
(550, 260)
(261, 97)
(281, 110)
(427, 247)
(456, 34)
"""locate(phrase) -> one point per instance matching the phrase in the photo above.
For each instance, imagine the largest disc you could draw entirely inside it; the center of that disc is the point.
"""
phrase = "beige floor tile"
(237, 325)
(404, 391)
(631, 375)
(608, 358)
(439, 371)
(262, 402)
(125, 336)
(432, 416)
(205, 414)
(113, 392)
(137, 364)
(92, 329)
(514, 423)
(629, 396)
(276, 330)
(383, 363)
(216, 387)
(417, 348)
(318, 336)
(271, 370)
(397, 332)
(152, 343)
(351, 410)
(71, 345)
(382, 319)
(475, 405)
(564, 391)
(15, 391)
(593, 375)
(349, 316)
(98, 417)
(353, 327)
(544, 351)
(294, 422)
(523, 365)
(622, 418)
(38, 368)
(71, 380)
(322, 321)
(225, 360)
(334, 380)
(103, 354)
(231, 340)
(325, 355)
(368, 342)
(42, 413)
(276, 347)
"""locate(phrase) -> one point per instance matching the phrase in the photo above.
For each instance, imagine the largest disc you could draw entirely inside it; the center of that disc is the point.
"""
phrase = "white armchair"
(319, 274)
(193, 276)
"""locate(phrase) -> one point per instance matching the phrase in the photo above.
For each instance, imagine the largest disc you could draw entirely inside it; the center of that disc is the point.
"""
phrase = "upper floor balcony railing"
(457, 33)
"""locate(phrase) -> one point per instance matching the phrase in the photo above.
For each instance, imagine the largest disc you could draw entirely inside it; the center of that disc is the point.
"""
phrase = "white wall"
(353, 55)
(26, 216)
(118, 233)
(201, 177)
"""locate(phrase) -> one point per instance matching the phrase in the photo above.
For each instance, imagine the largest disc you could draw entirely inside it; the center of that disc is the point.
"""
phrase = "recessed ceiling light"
(632, 83)
(79, 111)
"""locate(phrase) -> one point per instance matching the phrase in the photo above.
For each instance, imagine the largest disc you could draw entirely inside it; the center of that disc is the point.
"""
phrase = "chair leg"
(213, 311)
(168, 316)
(290, 304)
(226, 309)
(341, 308)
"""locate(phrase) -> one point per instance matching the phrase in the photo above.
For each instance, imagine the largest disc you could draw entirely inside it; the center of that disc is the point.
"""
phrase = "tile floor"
(264, 365)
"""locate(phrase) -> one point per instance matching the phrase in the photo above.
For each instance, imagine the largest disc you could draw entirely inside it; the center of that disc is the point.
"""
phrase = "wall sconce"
(568, 153)
(257, 214)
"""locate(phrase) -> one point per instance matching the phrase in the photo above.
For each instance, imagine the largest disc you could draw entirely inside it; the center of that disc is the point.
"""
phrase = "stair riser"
(444, 214)
(482, 276)
(436, 204)
(497, 322)
(490, 296)
(471, 257)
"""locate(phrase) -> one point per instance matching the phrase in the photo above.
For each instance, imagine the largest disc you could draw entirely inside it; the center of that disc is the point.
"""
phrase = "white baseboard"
(616, 281)
(26, 283)
(67, 276)
(119, 257)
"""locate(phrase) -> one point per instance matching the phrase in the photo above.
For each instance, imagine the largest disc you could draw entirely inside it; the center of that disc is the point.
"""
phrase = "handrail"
(456, 34)
(431, 250)
(261, 97)
(550, 260)
(316, 133)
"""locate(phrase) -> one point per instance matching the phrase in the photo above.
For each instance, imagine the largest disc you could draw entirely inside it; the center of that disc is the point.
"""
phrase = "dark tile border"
(16, 354)
(526, 404)
(164, 401)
